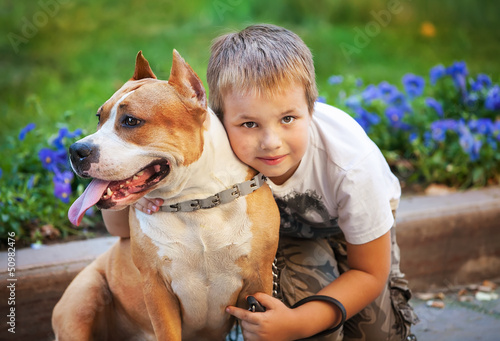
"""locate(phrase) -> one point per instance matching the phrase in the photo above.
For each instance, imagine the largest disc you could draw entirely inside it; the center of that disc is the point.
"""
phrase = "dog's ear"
(186, 81)
(142, 69)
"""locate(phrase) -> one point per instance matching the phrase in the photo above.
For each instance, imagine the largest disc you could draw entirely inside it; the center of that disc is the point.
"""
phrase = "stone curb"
(450, 240)
(445, 241)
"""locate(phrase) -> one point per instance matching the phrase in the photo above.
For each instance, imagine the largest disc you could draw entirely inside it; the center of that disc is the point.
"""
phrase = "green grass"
(86, 50)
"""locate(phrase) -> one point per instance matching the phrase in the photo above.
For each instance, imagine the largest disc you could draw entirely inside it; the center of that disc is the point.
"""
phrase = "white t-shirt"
(343, 181)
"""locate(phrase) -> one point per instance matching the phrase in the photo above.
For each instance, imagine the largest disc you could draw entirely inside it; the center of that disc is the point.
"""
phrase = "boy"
(336, 194)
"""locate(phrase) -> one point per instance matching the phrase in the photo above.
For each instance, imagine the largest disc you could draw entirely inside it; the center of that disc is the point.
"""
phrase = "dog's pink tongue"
(92, 194)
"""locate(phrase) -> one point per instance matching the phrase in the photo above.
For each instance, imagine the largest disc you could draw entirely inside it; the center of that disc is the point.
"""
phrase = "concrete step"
(445, 241)
(450, 240)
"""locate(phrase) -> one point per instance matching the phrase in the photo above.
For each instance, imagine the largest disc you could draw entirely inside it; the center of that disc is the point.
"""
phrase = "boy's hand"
(276, 323)
(148, 206)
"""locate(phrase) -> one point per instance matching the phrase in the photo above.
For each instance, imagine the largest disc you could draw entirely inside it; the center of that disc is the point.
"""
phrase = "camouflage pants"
(307, 265)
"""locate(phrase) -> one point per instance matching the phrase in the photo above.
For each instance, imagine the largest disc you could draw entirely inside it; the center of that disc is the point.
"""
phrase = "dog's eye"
(98, 115)
(130, 121)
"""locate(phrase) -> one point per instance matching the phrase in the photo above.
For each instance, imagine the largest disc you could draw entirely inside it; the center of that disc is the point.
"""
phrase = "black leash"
(255, 306)
(329, 300)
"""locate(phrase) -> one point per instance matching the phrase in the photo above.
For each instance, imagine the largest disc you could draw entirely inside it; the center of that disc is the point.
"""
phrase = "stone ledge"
(450, 240)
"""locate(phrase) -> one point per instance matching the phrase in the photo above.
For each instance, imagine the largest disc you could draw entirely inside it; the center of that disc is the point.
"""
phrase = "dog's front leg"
(163, 308)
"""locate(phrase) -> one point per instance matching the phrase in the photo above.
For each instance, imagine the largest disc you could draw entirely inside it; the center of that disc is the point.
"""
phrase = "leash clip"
(254, 305)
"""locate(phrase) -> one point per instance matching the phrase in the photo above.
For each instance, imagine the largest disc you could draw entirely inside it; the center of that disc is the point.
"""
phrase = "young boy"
(336, 194)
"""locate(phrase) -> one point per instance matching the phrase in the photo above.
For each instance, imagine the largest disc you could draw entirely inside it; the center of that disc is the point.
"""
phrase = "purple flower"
(413, 136)
(62, 184)
(457, 68)
(428, 141)
(482, 82)
(321, 99)
(458, 71)
(471, 100)
(62, 190)
(413, 84)
(49, 158)
(395, 116)
(434, 104)
(438, 133)
(436, 73)
(492, 101)
(387, 91)
(1, 173)
(439, 129)
(366, 119)
(359, 82)
(90, 212)
(26, 130)
(483, 126)
(333, 80)
(65, 133)
(470, 145)
(398, 100)
(370, 93)
(353, 102)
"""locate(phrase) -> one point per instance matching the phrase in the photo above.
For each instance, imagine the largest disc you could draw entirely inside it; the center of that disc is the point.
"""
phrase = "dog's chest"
(200, 253)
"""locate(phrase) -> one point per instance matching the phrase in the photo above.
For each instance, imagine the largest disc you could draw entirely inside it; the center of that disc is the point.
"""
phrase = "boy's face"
(269, 134)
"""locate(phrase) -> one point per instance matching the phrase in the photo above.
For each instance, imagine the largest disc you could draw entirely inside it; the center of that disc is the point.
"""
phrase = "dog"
(214, 240)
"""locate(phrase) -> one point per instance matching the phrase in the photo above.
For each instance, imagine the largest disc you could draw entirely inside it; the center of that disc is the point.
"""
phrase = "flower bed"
(447, 132)
(38, 186)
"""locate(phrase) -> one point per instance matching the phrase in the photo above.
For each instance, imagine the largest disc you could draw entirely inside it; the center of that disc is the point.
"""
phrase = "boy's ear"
(186, 81)
(142, 69)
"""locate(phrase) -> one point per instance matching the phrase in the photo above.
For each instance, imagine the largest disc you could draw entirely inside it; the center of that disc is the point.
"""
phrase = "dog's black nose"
(82, 155)
(79, 151)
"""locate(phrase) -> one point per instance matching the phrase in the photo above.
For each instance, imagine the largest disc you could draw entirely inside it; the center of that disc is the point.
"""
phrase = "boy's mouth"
(272, 160)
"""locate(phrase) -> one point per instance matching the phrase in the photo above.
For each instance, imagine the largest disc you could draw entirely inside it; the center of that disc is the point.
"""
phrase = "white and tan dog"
(179, 270)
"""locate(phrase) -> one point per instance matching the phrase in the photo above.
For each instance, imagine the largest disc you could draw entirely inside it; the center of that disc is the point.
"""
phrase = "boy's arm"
(355, 289)
(117, 221)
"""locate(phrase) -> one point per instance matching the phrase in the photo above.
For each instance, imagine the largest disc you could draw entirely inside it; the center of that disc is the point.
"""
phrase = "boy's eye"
(288, 119)
(249, 125)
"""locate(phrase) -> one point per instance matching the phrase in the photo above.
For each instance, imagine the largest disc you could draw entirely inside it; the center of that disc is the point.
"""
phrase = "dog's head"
(146, 129)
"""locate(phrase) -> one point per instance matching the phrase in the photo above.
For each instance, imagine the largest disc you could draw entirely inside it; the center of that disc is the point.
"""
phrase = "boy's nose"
(270, 140)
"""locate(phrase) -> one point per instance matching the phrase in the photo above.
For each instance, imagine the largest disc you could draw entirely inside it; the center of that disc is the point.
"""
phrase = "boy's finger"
(142, 208)
(241, 314)
(153, 207)
(267, 301)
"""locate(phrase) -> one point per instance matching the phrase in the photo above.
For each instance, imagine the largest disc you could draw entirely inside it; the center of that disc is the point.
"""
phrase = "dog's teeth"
(109, 192)
(127, 182)
(105, 197)
(122, 185)
(140, 173)
(134, 178)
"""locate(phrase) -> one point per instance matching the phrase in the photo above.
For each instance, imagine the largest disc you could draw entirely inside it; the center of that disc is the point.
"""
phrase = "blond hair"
(261, 59)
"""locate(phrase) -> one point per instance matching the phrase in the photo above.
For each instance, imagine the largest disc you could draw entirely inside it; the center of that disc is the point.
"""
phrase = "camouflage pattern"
(307, 265)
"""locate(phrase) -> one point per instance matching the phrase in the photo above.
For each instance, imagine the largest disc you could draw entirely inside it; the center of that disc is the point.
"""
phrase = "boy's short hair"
(261, 59)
